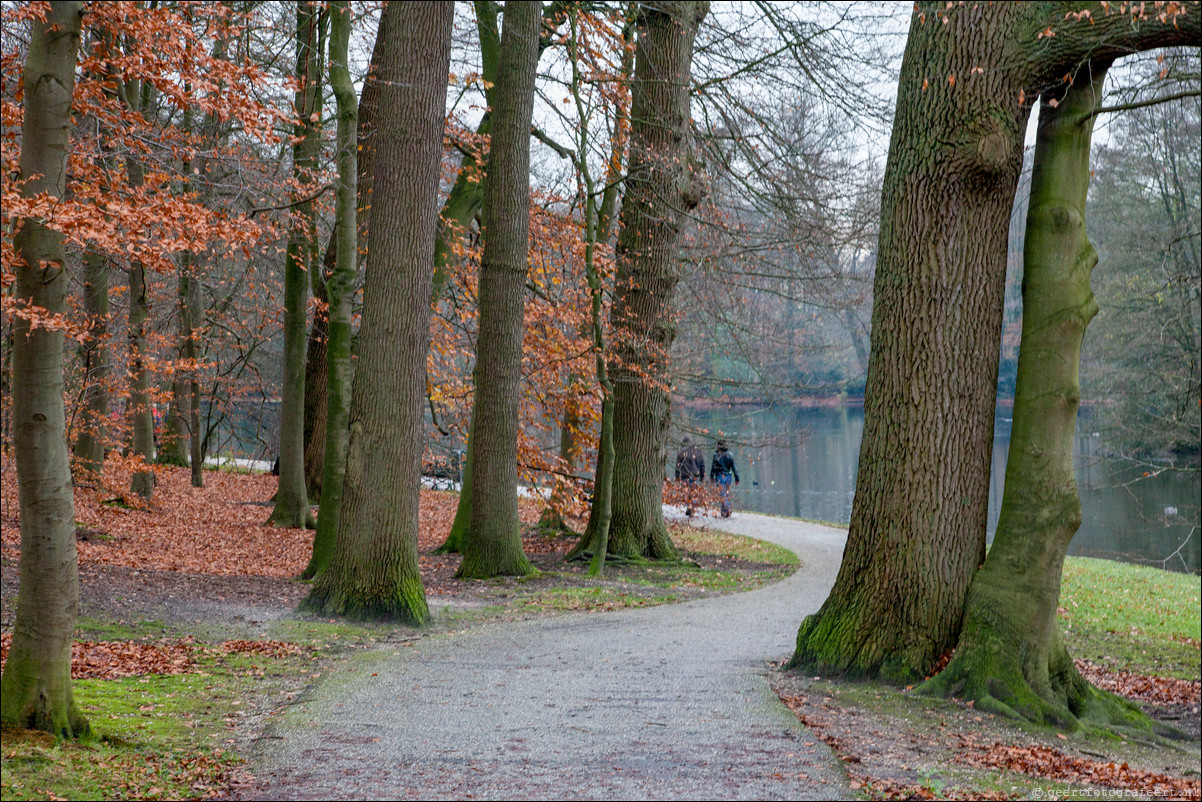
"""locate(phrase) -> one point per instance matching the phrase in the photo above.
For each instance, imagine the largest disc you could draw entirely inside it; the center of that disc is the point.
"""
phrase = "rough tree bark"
(662, 183)
(493, 543)
(35, 690)
(341, 287)
(918, 521)
(292, 499)
(374, 570)
(1011, 657)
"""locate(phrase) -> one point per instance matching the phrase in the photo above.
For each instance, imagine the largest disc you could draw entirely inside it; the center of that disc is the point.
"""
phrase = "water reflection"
(802, 462)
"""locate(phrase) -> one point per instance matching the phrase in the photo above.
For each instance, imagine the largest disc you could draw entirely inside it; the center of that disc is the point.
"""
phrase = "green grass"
(154, 737)
(589, 599)
(735, 547)
(1135, 617)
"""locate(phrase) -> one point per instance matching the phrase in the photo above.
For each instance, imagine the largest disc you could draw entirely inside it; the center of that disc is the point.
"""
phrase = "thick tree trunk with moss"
(292, 498)
(918, 521)
(341, 293)
(1011, 656)
(663, 182)
(374, 569)
(94, 354)
(35, 690)
(493, 543)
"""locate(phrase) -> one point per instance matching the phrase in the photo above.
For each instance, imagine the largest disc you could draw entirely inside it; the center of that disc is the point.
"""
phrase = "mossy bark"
(373, 572)
(662, 184)
(918, 521)
(492, 545)
(292, 497)
(341, 290)
(1011, 657)
(316, 373)
(35, 689)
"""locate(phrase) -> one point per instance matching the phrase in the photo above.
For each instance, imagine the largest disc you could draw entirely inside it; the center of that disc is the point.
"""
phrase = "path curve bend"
(667, 702)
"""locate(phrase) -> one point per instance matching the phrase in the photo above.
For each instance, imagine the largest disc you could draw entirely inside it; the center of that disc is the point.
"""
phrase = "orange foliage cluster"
(1052, 764)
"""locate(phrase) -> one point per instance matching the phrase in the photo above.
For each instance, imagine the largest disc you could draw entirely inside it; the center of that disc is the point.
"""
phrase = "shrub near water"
(1132, 617)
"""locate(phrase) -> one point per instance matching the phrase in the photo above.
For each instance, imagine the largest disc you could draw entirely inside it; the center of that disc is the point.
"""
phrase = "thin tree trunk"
(94, 353)
(918, 520)
(141, 408)
(341, 287)
(173, 448)
(35, 690)
(493, 544)
(596, 531)
(662, 184)
(1011, 657)
(316, 374)
(292, 499)
(374, 570)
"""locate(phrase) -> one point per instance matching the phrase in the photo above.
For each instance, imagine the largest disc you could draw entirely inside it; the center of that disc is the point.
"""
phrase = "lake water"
(802, 462)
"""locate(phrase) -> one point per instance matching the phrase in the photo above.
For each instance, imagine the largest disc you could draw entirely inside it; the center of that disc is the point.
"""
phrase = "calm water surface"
(802, 462)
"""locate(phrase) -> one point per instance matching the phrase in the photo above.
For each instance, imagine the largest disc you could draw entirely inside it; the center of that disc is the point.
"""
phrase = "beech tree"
(663, 182)
(292, 498)
(917, 535)
(35, 690)
(373, 572)
(493, 543)
(342, 283)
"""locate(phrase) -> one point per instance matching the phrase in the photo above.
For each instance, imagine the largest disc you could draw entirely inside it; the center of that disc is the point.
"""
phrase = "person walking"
(723, 472)
(690, 469)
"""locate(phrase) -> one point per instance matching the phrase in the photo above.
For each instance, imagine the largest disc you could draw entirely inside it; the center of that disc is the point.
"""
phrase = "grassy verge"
(1132, 617)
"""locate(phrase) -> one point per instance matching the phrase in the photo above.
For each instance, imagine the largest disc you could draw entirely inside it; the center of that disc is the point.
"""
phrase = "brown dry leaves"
(113, 659)
(1154, 690)
(218, 529)
(1052, 764)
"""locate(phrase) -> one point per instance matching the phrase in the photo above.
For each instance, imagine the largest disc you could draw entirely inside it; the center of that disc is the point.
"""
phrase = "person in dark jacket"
(723, 472)
(690, 469)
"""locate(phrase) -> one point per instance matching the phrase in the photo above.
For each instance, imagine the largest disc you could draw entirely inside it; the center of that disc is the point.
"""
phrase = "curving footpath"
(667, 702)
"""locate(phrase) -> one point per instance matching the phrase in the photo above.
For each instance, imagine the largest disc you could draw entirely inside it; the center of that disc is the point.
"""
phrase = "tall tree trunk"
(374, 570)
(141, 407)
(292, 499)
(918, 521)
(1011, 657)
(35, 690)
(316, 374)
(663, 183)
(94, 353)
(596, 531)
(493, 544)
(466, 200)
(341, 286)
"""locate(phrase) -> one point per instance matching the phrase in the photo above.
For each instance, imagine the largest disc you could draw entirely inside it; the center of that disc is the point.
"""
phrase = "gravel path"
(666, 702)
